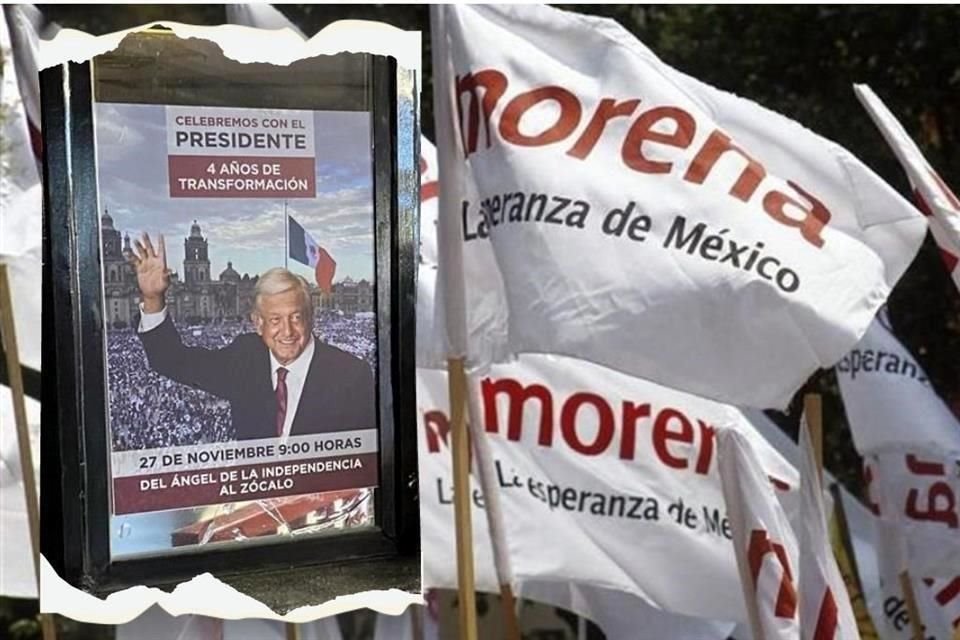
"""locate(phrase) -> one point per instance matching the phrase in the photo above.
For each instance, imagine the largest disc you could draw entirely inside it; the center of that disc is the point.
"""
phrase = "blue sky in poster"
(132, 174)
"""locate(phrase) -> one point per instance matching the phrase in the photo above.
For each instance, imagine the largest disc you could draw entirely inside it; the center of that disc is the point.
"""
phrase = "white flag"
(763, 539)
(889, 401)
(916, 497)
(619, 613)
(17, 579)
(875, 566)
(20, 190)
(825, 610)
(939, 604)
(935, 197)
(568, 574)
(911, 444)
(938, 599)
(600, 460)
(599, 204)
(431, 347)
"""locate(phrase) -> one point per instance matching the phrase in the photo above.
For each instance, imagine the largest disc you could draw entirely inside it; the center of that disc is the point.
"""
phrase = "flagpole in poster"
(9, 341)
(286, 236)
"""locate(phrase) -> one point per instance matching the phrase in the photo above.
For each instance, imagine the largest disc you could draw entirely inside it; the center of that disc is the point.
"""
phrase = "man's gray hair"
(280, 280)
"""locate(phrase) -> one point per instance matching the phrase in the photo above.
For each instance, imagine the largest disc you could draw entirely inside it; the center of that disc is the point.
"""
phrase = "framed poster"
(231, 266)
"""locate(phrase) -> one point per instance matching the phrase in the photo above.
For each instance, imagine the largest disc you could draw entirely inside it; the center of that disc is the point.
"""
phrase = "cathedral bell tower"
(196, 263)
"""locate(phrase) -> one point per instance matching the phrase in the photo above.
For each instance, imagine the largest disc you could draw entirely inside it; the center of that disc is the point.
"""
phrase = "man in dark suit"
(280, 382)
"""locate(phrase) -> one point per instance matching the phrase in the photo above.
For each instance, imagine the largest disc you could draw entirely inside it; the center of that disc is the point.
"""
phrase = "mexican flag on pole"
(305, 250)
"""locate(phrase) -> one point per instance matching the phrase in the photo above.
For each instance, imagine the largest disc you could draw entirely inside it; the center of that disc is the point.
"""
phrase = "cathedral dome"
(229, 274)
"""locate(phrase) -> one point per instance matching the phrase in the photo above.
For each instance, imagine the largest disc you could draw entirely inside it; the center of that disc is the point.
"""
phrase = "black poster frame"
(75, 444)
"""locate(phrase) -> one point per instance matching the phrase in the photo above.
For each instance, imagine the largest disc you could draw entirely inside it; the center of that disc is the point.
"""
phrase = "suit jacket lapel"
(262, 402)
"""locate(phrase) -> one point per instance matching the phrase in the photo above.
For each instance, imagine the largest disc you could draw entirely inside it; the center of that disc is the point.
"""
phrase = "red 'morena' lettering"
(924, 467)
(517, 394)
(815, 215)
(759, 546)
(642, 131)
(716, 145)
(567, 120)
(799, 209)
(494, 84)
(568, 423)
(936, 511)
(607, 110)
(661, 435)
(670, 428)
(437, 426)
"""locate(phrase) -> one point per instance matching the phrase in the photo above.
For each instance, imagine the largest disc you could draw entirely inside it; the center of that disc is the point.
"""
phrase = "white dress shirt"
(150, 321)
(296, 376)
(296, 370)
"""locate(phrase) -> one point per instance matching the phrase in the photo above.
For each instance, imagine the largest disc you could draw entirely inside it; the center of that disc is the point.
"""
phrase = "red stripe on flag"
(429, 190)
(827, 620)
(949, 592)
(951, 260)
(922, 203)
(36, 141)
(779, 484)
(948, 258)
(326, 267)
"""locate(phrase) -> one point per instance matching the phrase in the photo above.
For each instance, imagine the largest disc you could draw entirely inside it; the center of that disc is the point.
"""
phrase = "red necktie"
(281, 399)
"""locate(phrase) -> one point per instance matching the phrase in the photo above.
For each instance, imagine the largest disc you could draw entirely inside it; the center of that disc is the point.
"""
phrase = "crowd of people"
(150, 411)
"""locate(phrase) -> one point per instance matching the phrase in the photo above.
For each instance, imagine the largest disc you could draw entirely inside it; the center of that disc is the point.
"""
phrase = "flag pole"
(846, 543)
(460, 445)
(906, 585)
(292, 631)
(486, 471)
(452, 284)
(286, 236)
(813, 414)
(9, 340)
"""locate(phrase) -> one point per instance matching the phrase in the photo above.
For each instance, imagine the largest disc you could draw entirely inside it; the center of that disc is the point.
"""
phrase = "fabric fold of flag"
(764, 542)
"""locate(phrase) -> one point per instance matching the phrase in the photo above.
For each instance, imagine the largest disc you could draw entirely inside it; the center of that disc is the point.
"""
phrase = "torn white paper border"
(204, 594)
(201, 595)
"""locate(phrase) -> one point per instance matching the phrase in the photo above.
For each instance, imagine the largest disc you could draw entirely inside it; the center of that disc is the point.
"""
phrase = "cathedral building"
(197, 298)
